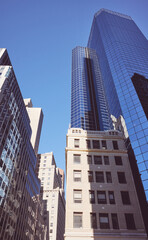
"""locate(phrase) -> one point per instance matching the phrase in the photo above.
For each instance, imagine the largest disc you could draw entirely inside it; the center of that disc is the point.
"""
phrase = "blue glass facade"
(18, 181)
(89, 108)
(122, 52)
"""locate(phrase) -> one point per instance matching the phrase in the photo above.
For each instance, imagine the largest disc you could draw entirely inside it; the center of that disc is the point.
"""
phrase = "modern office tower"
(53, 195)
(36, 120)
(122, 52)
(19, 186)
(101, 200)
(89, 108)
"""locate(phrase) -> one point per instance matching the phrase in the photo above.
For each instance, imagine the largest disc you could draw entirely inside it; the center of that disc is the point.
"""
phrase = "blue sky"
(40, 36)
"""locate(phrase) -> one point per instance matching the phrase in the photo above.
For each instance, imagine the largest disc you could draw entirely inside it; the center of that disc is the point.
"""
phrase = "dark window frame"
(93, 220)
(125, 197)
(130, 222)
(101, 200)
(99, 175)
(90, 176)
(106, 160)
(121, 177)
(88, 144)
(104, 225)
(96, 144)
(89, 159)
(104, 144)
(118, 160)
(115, 145)
(92, 199)
(76, 143)
(97, 160)
(115, 222)
(108, 177)
(111, 200)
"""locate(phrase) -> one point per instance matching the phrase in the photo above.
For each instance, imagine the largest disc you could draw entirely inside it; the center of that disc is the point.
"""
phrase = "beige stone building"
(36, 120)
(52, 181)
(101, 200)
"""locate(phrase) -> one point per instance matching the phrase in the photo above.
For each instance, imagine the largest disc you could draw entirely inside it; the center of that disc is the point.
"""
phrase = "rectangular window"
(101, 195)
(89, 159)
(106, 160)
(104, 146)
(76, 158)
(88, 144)
(76, 143)
(121, 177)
(118, 160)
(99, 177)
(77, 196)
(115, 145)
(115, 221)
(130, 223)
(98, 160)
(77, 219)
(93, 220)
(92, 196)
(108, 177)
(111, 197)
(77, 176)
(90, 176)
(96, 144)
(125, 197)
(104, 221)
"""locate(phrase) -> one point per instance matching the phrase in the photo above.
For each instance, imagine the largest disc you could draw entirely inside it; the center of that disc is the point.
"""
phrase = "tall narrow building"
(36, 120)
(19, 185)
(122, 52)
(52, 182)
(89, 108)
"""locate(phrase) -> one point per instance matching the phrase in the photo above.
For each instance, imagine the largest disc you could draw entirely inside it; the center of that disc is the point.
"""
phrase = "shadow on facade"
(138, 184)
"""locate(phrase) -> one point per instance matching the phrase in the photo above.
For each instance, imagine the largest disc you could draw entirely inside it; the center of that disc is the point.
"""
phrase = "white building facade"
(101, 200)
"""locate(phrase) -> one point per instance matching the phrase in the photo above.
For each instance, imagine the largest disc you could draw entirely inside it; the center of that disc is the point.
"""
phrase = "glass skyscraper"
(122, 55)
(89, 109)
